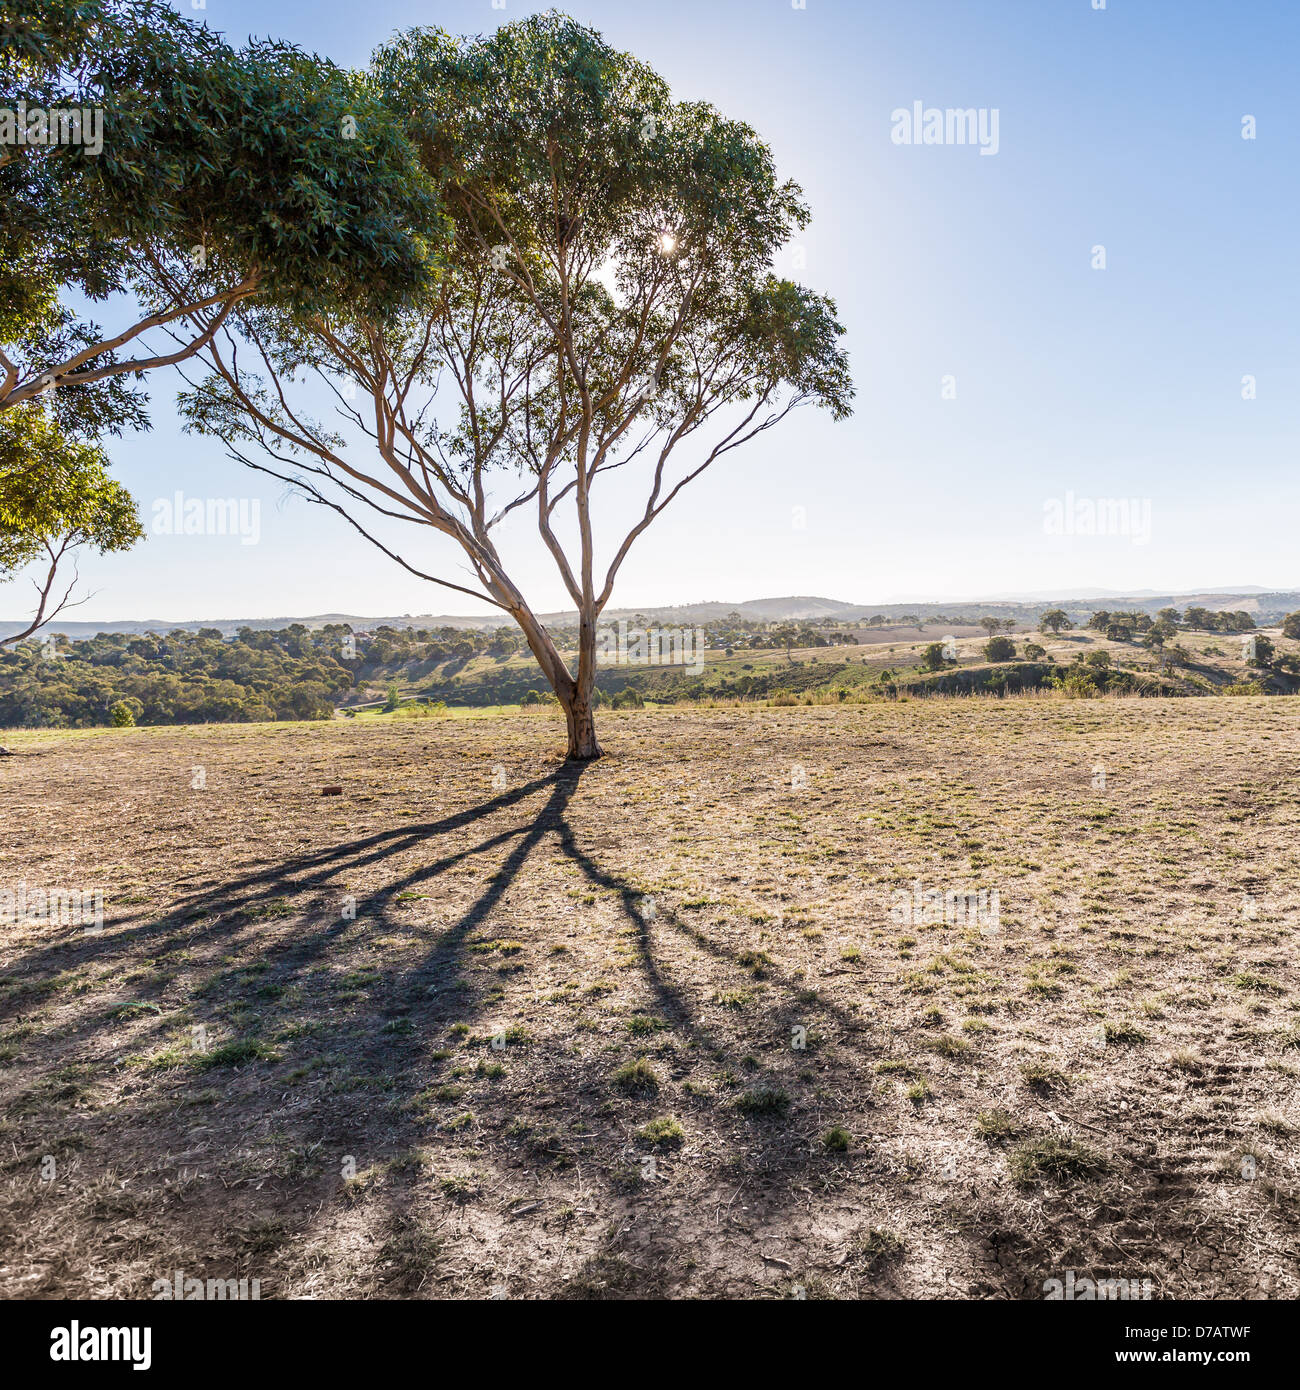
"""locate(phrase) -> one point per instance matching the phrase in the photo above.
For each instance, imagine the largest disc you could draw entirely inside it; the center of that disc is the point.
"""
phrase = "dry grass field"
(484, 1025)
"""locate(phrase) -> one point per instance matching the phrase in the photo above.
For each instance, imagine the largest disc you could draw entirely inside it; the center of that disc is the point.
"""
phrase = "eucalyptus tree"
(607, 305)
(146, 158)
(148, 165)
(56, 498)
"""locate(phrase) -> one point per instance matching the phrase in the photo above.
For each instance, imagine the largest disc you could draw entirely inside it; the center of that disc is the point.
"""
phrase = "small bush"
(120, 715)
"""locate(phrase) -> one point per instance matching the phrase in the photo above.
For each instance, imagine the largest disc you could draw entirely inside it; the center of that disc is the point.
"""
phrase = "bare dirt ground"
(484, 1025)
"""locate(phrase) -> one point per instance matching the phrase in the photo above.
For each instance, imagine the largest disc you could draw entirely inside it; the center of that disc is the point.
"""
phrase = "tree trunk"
(574, 695)
(582, 727)
(578, 707)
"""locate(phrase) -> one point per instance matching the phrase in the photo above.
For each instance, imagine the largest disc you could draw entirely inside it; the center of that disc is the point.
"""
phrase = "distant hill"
(1263, 604)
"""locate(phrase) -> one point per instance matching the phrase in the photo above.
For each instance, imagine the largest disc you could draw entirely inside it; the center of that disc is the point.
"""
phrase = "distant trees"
(990, 624)
(1055, 619)
(1122, 624)
(180, 678)
(933, 659)
(1033, 652)
(1291, 625)
(1000, 649)
(1203, 619)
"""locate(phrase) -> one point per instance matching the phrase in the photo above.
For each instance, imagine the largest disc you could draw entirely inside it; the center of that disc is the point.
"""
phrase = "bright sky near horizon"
(1005, 382)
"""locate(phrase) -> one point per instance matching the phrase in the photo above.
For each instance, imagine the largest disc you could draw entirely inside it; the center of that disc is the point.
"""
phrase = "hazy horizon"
(70, 619)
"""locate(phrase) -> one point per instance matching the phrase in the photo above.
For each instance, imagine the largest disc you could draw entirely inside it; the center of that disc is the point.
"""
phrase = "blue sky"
(1119, 128)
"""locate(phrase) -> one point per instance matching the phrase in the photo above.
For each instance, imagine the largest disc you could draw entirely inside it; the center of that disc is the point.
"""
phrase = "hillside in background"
(1266, 605)
(184, 677)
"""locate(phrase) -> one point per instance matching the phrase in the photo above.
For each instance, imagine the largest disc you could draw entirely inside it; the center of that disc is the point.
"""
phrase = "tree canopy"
(168, 176)
(217, 174)
(56, 496)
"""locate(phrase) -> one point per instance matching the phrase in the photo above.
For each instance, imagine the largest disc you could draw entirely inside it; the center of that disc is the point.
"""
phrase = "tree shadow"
(395, 1042)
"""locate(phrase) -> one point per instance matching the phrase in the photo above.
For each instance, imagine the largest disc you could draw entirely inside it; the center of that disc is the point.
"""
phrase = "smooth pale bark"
(574, 694)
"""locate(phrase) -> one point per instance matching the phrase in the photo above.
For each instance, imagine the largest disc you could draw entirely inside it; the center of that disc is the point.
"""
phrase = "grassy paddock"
(731, 1055)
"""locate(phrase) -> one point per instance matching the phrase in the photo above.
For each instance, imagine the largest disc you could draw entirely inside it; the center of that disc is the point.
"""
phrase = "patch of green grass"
(235, 1053)
(637, 1077)
(642, 1025)
(878, 1245)
(946, 1045)
(1123, 1034)
(763, 1101)
(997, 1126)
(896, 1066)
(269, 911)
(132, 1008)
(458, 1188)
(663, 1133)
(1041, 1077)
(837, 1140)
(1254, 983)
(758, 963)
(1054, 1158)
